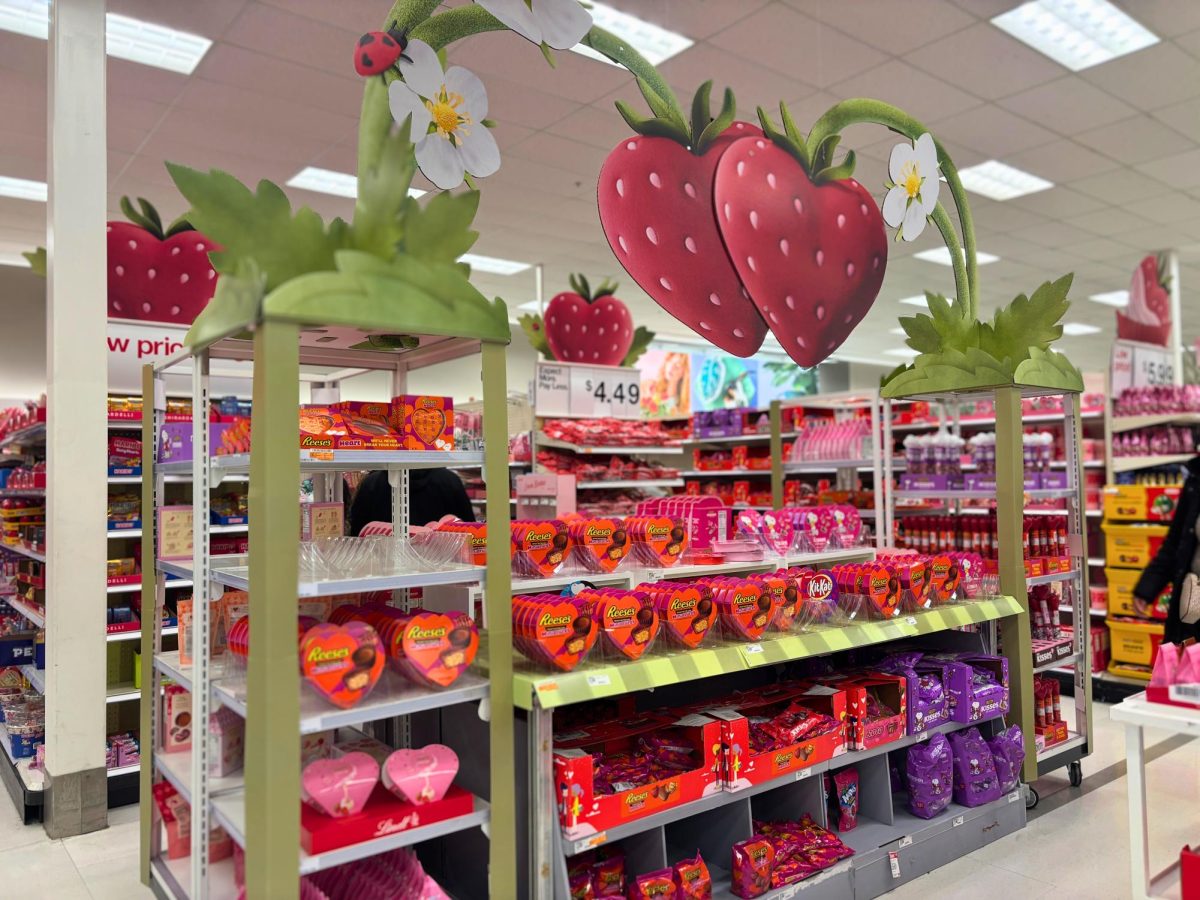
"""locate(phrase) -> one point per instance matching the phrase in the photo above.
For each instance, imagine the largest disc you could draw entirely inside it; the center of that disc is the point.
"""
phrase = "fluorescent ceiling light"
(1111, 298)
(327, 181)
(1076, 33)
(126, 38)
(1075, 329)
(532, 306)
(941, 256)
(653, 42)
(493, 265)
(918, 300)
(13, 259)
(997, 181)
(906, 352)
(22, 189)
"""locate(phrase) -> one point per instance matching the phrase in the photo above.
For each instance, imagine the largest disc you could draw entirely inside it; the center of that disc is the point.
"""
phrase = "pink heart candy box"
(421, 776)
(339, 787)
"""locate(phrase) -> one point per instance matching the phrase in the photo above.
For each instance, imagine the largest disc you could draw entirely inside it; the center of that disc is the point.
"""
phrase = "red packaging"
(752, 863)
(383, 814)
(608, 876)
(658, 885)
(692, 881)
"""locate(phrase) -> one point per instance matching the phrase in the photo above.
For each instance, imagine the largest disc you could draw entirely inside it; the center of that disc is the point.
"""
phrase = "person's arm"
(372, 502)
(1161, 570)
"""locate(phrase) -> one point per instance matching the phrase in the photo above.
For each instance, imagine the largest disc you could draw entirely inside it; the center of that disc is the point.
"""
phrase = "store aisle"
(1074, 846)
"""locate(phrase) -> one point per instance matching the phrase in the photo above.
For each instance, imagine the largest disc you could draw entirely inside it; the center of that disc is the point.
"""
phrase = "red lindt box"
(741, 768)
(384, 814)
(582, 811)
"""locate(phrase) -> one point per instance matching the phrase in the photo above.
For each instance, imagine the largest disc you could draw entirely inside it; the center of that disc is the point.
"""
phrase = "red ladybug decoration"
(378, 51)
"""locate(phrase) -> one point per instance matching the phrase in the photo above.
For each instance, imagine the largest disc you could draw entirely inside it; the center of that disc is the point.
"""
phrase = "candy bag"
(692, 881)
(608, 876)
(845, 798)
(975, 781)
(753, 861)
(929, 770)
(658, 885)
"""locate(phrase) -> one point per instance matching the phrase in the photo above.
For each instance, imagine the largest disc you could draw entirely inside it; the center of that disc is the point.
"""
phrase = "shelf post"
(502, 830)
(76, 796)
(151, 616)
(273, 686)
(777, 454)
(1010, 513)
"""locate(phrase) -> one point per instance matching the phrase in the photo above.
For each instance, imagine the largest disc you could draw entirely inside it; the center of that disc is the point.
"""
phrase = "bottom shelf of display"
(175, 875)
(834, 883)
(1166, 884)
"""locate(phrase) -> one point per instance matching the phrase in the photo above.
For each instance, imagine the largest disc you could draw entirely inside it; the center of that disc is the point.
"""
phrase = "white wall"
(22, 335)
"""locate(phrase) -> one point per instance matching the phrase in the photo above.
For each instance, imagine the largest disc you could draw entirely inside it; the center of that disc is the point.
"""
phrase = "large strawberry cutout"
(1147, 318)
(811, 249)
(582, 326)
(156, 275)
(656, 207)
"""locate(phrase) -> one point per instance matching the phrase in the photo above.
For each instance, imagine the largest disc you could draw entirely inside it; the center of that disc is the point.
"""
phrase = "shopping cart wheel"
(1032, 797)
(1075, 773)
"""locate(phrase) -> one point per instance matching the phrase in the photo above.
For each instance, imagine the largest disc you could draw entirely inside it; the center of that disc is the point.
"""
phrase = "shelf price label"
(613, 391)
(552, 389)
(1134, 364)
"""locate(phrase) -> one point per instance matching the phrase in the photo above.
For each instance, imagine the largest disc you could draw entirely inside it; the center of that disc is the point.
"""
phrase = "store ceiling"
(277, 92)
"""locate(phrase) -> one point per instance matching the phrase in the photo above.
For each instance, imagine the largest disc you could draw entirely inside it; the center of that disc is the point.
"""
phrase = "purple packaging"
(914, 482)
(975, 779)
(929, 772)
(1053, 480)
(927, 701)
(979, 481)
(1008, 753)
(976, 684)
(175, 444)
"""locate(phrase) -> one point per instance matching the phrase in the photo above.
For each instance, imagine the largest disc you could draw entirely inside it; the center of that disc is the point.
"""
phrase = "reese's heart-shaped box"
(627, 621)
(435, 648)
(686, 611)
(744, 608)
(944, 578)
(425, 423)
(881, 586)
(552, 630)
(785, 595)
(539, 548)
(658, 540)
(476, 533)
(599, 544)
(343, 662)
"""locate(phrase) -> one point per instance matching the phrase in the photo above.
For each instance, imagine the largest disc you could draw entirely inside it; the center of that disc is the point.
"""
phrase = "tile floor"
(1077, 850)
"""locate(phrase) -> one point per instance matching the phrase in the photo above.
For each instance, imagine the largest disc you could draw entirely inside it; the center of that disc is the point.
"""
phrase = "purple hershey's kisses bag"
(1008, 753)
(975, 781)
(930, 774)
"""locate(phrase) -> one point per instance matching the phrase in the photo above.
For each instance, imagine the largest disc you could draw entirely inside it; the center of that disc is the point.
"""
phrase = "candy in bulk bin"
(686, 611)
(627, 621)
(554, 631)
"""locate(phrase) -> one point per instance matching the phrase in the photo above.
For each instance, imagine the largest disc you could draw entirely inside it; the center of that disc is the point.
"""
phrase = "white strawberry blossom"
(560, 24)
(447, 111)
(913, 192)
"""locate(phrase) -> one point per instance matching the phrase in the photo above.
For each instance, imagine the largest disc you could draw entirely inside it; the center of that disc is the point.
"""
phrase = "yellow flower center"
(910, 179)
(449, 116)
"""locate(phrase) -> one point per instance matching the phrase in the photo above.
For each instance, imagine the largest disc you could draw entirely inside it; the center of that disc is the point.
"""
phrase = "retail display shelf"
(36, 677)
(230, 812)
(832, 882)
(1064, 664)
(37, 618)
(739, 438)
(1086, 415)
(22, 492)
(339, 460)
(118, 533)
(1132, 463)
(136, 586)
(122, 693)
(32, 434)
(827, 465)
(168, 664)
(124, 479)
(393, 696)
(177, 768)
(1097, 561)
(30, 778)
(234, 572)
(1052, 577)
(829, 557)
(558, 582)
(136, 634)
(1030, 511)
(649, 450)
(593, 680)
(948, 495)
(1062, 748)
(725, 473)
(512, 464)
(174, 875)
(1095, 612)
(632, 483)
(25, 551)
(1131, 423)
(118, 771)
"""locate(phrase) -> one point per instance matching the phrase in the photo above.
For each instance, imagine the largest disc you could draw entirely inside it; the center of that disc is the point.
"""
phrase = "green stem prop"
(851, 112)
(966, 293)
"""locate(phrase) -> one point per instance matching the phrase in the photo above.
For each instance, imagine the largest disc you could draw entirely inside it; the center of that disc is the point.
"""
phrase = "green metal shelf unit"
(260, 808)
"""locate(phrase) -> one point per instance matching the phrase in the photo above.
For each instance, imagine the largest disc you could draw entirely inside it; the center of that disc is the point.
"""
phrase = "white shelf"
(1102, 613)
(35, 676)
(118, 771)
(136, 634)
(558, 582)
(725, 473)
(174, 876)
(1066, 664)
(31, 778)
(122, 693)
(1131, 423)
(168, 665)
(828, 465)
(634, 483)
(177, 768)
(1052, 577)
(1097, 561)
(339, 460)
(23, 551)
(234, 572)
(1061, 747)
(27, 611)
(651, 450)
(392, 696)
(1086, 416)
(136, 587)
(981, 494)
(1132, 463)
(739, 438)
(230, 812)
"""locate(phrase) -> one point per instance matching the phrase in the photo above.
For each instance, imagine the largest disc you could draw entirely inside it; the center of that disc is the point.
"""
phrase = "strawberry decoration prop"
(1147, 318)
(156, 275)
(656, 206)
(806, 240)
(582, 326)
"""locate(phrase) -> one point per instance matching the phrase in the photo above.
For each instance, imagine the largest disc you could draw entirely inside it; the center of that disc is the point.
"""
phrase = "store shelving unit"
(1009, 497)
(261, 809)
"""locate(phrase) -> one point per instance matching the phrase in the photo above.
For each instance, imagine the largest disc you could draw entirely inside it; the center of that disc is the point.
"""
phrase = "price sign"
(598, 391)
(175, 532)
(1134, 364)
(552, 389)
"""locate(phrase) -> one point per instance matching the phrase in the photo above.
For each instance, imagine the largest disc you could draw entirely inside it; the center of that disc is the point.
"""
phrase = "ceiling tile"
(1060, 160)
(1190, 42)
(1055, 234)
(1134, 140)
(1151, 78)
(1181, 170)
(877, 21)
(1165, 18)
(513, 102)
(572, 156)
(1068, 105)
(919, 94)
(353, 16)
(1183, 117)
(272, 31)
(992, 131)
(697, 20)
(1099, 249)
(575, 77)
(1120, 186)
(1058, 203)
(1109, 220)
(983, 56)
(595, 126)
(1166, 208)
(289, 81)
(753, 85)
(788, 42)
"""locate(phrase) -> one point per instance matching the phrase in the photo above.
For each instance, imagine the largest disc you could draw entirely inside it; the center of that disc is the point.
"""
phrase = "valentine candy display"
(606, 432)
(843, 799)
(342, 662)
(539, 548)
(553, 630)
(1160, 440)
(597, 873)
(783, 853)
(339, 787)
(420, 776)
(929, 776)
(396, 873)
(692, 880)
(627, 621)
(686, 612)
(1160, 398)
(431, 649)
(975, 778)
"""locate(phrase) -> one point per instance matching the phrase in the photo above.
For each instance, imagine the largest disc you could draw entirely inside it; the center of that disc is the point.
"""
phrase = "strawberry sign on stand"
(586, 326)
(1147, 318)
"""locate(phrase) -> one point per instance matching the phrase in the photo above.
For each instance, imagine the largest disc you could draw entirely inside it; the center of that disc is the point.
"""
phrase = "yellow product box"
(1140, 502)
(1134, 642)
(1121, 583)
(1132, 546)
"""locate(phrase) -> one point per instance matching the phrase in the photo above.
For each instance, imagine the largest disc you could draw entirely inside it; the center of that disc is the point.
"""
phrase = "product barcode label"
(600, 680)
(923, 736)
(1188, 692)
(753, 648)
(894, 862)
(803, 773)
(958, 820)
(905, 841)
(1014, 796)
(911, 620)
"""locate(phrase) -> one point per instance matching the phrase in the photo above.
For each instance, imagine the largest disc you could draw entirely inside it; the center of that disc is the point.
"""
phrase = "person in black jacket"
(433, 493)
(1175, 558)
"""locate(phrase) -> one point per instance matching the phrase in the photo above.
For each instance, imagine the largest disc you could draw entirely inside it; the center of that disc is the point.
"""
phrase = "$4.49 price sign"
(573, 389)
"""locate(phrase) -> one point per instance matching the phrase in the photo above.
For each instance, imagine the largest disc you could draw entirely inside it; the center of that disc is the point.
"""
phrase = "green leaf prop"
(642, 337)
(1048, 368)
(945, 327)
(234, 305)
(531, 324)
(948, 370)
(37, 260)
(1027, 322)
(258, 225)
(440, 230)
(383, 204)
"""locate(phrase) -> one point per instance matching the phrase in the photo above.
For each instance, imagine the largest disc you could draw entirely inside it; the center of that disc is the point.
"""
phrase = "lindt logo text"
(391, 826)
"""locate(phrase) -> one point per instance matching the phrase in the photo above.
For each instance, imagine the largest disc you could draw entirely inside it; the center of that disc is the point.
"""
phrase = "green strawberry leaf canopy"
(668, 121)
(579, 284)
(642, 336)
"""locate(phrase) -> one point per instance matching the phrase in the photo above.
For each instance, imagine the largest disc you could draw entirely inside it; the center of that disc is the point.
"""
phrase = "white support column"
(76, 312)
(1176, 314)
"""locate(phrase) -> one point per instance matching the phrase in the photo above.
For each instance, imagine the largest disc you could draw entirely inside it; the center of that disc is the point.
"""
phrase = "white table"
(1136, 713)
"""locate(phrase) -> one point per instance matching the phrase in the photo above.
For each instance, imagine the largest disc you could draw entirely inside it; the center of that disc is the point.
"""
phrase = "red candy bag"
(658, 885)
(692, 881)
(608, 876)
(753, 861)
